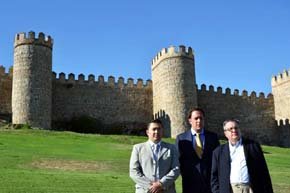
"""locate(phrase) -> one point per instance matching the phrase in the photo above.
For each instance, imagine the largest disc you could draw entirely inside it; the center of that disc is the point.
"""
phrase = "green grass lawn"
(59, 162)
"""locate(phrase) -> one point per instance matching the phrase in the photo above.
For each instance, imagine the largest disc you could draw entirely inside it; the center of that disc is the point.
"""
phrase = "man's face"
(232, 132)
(196, 121)
(154, 132)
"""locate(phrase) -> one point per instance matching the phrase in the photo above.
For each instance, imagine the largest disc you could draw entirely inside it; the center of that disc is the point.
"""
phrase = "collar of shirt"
(193, 132)
(202, 137)
(232, 147)
(152, 144)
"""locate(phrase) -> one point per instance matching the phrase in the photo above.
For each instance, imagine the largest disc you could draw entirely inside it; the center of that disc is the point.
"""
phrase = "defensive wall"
(117, 103)
(105, 99)
(256, 113)
(42, 98)
(282, 131)
(126, 104)
(5, 92)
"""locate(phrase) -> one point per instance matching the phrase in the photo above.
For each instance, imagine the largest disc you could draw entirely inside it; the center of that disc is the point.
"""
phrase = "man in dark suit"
(239, 165)
(195, 154)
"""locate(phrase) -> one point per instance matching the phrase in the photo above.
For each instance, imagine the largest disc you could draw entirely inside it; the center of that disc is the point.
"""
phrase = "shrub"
(15, 126)
(85, 124)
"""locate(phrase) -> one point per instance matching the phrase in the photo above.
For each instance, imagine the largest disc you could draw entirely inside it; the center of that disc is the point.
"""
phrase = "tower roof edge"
(29, 38)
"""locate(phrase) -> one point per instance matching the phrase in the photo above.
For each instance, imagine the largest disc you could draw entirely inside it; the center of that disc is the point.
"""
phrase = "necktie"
(198, 145)
(156, 148)
(156, 151)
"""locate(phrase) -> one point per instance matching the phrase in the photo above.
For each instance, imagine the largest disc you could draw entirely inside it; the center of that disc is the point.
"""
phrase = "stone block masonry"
(256, 113)
(31, 88)
(114, 103)
(5, 91)
(281, 92)
(174, 91)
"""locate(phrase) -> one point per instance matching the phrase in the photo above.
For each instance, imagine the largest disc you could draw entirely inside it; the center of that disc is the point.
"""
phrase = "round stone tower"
(32, 79)
(174, 88)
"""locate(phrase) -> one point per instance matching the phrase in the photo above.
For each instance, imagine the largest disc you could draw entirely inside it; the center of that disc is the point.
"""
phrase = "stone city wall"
(256, 114)
(40, 97)
(118, 103)
(5, 91)
(129, 105)
(282, 133)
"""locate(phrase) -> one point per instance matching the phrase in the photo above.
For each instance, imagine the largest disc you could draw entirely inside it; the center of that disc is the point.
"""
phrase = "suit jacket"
(142, 166)
(195, 172)
(221, 167)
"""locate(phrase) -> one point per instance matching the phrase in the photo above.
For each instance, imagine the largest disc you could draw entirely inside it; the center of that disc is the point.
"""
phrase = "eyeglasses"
(231, 129)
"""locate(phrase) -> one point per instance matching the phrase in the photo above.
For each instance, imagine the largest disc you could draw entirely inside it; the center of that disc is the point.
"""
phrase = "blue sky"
(237, 44)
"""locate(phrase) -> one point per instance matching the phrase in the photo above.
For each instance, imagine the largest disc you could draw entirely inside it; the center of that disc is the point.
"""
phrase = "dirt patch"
(71, 165)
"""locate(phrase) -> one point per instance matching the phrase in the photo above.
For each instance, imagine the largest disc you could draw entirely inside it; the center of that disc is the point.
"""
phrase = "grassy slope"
(44, 161)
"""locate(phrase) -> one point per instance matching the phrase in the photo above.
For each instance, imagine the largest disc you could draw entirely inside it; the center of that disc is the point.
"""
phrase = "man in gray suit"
(154, 165)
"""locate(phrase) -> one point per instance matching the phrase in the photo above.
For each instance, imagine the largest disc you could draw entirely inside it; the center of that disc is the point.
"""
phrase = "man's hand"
(156, 187)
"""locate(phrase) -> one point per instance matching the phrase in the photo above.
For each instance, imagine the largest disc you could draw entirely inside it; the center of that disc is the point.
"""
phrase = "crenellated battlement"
(100, 82)
(283, 128)
(236, 92)
(281, 78)
(22, 39)
(282, 123)
(172, 51)
(3, 72)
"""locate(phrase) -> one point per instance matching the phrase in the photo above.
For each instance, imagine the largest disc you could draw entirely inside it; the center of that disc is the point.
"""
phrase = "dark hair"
(158, 121)
(230, 120)
(196, 109)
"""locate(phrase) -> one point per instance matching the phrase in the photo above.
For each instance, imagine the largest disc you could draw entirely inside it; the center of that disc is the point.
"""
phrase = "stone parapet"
(282, 131)
(111, 81)
(281, 78)
(22, 39)
(3, 72)
(172, 52)
(228, 92)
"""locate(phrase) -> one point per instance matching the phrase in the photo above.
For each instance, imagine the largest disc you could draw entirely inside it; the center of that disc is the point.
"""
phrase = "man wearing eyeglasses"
(239, 165)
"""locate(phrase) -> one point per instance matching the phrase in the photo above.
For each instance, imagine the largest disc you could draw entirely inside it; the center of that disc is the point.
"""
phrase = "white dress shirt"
(239, 169)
